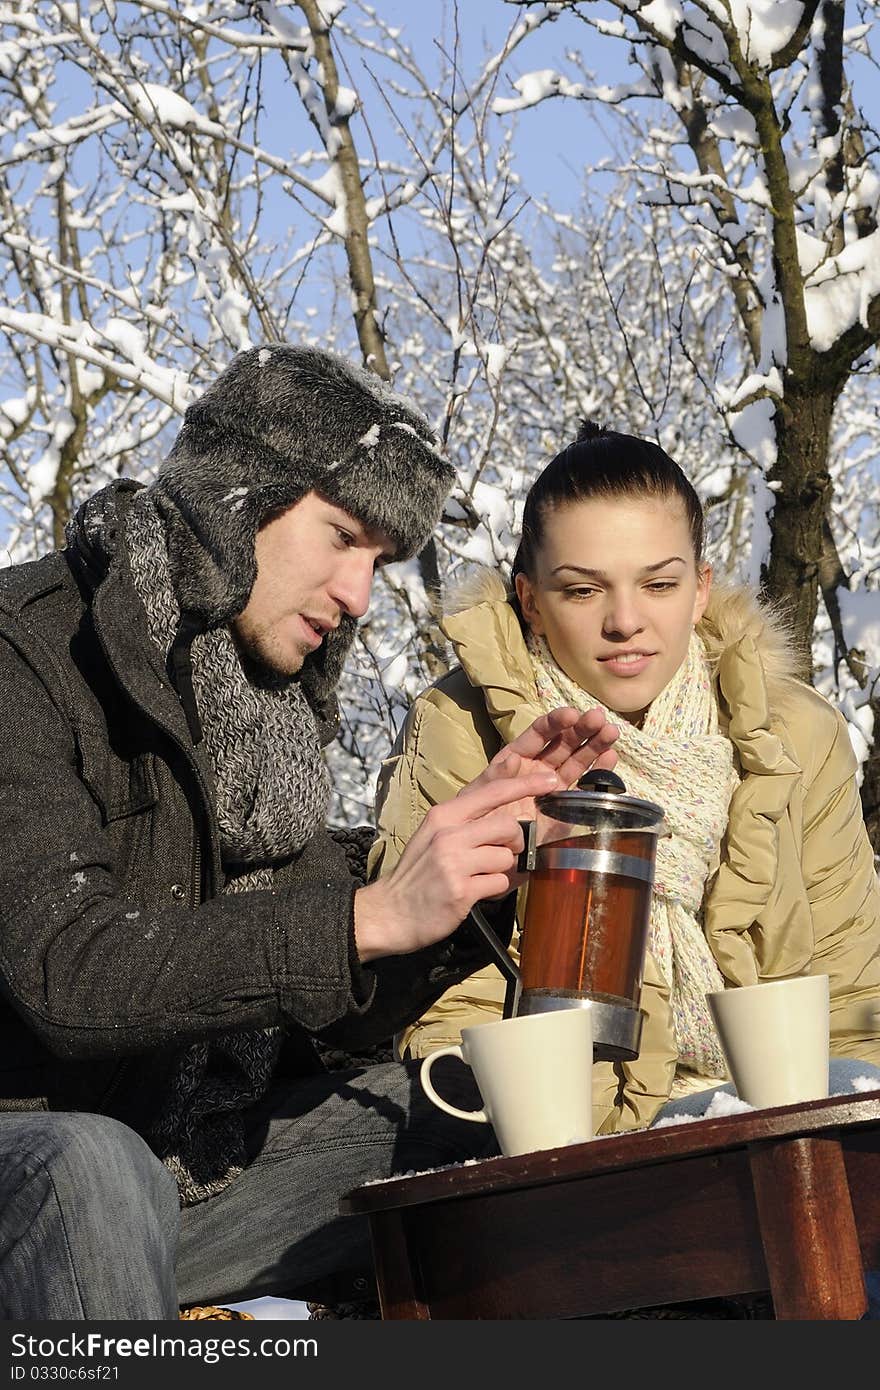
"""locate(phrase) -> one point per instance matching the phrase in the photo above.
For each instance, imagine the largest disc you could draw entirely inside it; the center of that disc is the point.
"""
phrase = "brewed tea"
(586, 931)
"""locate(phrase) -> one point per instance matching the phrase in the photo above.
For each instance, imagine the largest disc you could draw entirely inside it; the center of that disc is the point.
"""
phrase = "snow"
(42, 474)
(329, 186)
(532, 87)
(271, 1308)
(457, 335)
(125, 336)
(812, 251)
(155, 103)
(232, 309)
(394, 673)
(839, 291)
(496, 355)
(663, 15)
(770, 382)
(720, 1104)
(493, 505)
(345, 104)
(16, 408)
(371, 438)
(733, 123)
(860, 614)
(282, 25)
(708, 44)
(762, 504)
(330, 10)
(765, 26)
(337, 222)
(752, 428)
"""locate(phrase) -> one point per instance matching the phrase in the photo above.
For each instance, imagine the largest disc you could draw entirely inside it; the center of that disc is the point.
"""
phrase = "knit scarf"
(679, 760)
(271, 790)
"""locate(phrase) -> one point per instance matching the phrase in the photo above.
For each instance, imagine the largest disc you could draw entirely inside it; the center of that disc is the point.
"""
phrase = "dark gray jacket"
(116, 943)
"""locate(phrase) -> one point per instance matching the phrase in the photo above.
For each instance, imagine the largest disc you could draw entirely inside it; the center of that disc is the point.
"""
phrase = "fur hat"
(279, 422)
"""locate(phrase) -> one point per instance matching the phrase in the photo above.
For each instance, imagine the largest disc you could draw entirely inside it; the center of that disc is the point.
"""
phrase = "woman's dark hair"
(602, 463)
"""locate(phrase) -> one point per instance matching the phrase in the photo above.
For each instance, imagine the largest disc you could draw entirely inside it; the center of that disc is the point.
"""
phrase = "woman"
(768, 871)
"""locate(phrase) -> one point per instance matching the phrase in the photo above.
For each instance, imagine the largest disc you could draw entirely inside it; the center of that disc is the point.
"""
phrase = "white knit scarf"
(679, 760)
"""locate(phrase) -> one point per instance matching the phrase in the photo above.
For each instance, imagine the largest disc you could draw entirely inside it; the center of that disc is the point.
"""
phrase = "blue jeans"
(841, 1073)
(88, 1221)
(90, 1226)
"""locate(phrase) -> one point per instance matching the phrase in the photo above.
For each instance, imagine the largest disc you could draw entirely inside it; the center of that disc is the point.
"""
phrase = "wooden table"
(785, 1200)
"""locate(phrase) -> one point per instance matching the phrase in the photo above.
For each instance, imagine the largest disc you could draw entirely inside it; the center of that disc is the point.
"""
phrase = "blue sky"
(555, 140)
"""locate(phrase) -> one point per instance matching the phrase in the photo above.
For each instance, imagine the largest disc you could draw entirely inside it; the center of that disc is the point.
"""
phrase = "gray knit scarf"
(272, 790)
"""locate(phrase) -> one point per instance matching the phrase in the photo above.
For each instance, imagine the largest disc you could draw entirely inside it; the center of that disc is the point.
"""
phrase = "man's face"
(315, 563)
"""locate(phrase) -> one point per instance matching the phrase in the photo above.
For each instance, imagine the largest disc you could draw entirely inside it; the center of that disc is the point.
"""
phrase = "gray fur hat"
(279, 422)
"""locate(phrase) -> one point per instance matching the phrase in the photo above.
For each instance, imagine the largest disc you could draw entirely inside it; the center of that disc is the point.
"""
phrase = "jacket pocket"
(122, 786)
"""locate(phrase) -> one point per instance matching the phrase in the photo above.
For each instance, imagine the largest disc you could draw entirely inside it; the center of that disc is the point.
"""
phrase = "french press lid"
(600, 800)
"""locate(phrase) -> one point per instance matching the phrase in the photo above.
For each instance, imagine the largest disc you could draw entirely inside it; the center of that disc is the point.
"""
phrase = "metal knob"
(599, 780)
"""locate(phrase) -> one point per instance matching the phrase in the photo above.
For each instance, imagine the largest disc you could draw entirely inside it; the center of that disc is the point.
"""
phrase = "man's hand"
(463, 851)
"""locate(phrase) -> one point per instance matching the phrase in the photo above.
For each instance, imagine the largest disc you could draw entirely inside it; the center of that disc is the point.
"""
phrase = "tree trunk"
(791, 578)
(356, 238)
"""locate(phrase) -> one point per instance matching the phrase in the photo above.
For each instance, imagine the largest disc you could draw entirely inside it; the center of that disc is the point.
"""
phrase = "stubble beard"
(267, 658)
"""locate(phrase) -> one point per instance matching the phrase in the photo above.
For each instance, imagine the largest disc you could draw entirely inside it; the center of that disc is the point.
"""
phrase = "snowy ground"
(274, 1308)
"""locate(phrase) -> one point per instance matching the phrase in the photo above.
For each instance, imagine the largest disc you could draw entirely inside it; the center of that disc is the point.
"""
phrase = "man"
(177, 922)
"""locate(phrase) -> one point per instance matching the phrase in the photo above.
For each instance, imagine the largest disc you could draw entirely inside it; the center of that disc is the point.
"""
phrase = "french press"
(590, 856)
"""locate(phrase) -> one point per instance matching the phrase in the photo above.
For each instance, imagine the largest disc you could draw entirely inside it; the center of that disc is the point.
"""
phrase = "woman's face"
(616, 595)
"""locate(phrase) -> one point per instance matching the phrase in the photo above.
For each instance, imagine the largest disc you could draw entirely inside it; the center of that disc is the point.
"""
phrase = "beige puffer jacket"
(796, 890)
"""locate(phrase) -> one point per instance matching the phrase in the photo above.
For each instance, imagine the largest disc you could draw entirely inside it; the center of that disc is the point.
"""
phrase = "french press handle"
(525, 861)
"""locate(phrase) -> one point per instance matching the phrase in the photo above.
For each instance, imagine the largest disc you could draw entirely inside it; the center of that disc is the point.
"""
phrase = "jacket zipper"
(121, 1071)
(196, 890)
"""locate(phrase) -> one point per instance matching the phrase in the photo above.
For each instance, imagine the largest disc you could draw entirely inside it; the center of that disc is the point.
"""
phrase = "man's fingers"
(489, 887)
(563, 742)
(507, 763)
(554, 736)
(475, 801)
(597, 752)
(592, 731)
(544, 730)
(607, 760)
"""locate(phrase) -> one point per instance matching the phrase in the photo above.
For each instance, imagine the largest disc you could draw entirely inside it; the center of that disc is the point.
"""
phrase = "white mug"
(535, 1075)
(775, 1038)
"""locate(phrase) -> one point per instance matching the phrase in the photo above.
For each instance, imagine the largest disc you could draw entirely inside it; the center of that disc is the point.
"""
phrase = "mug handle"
(428, 1086)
